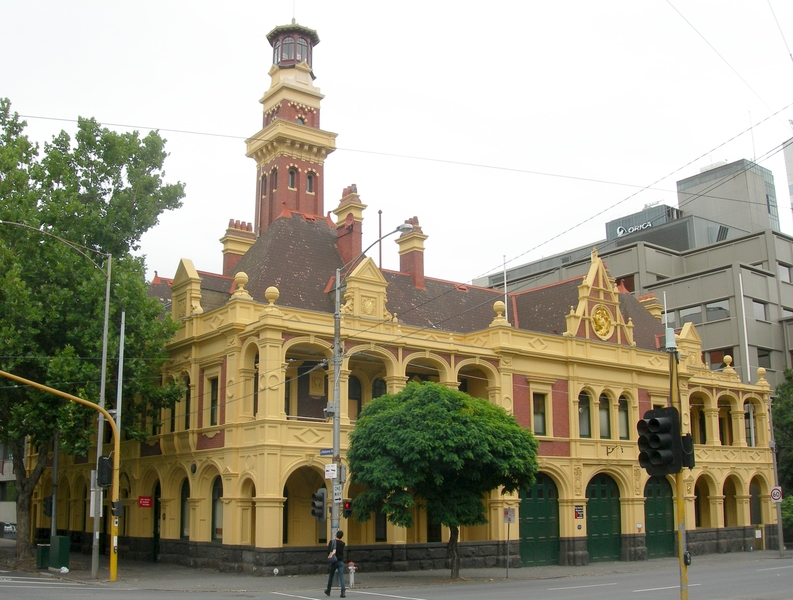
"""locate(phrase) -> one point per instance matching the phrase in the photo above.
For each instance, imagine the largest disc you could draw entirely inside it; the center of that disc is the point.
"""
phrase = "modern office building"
(718, 260)
(227, 477)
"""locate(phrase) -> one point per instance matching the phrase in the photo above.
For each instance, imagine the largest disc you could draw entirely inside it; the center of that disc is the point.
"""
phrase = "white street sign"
(776, 494)
(509, 515)
(330, 471)
(337, 493)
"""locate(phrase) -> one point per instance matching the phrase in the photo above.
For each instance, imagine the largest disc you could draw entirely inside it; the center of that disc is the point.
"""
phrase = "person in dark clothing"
(336, 548)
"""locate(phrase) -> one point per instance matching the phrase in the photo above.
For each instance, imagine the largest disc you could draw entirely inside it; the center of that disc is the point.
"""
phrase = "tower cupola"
(292, 45)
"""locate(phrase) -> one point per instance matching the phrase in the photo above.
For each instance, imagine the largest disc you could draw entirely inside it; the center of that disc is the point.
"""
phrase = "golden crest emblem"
(602, 322)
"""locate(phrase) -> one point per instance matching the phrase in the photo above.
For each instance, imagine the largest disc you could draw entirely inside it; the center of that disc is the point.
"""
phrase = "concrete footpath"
(168, 577)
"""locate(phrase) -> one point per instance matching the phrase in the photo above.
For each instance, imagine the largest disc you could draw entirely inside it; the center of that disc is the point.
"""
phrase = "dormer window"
(302, 50)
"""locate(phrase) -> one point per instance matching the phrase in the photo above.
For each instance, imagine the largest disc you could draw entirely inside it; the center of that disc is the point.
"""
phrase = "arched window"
(274, 179)
(750, 423)
(184, 516)
(604, 414)
(277, 53)
(289, 48)
(256, 384)
(310, 183)
(584, 423)
(292, 178)
(217, 510)
(263, 186)
(624, 419)
(301, 120)
(302, 50)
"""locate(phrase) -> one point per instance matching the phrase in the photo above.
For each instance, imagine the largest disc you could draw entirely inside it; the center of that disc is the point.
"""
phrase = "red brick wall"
(554, 448)
(561, 409)
(644, 402)
(521, 407)
(412, 263)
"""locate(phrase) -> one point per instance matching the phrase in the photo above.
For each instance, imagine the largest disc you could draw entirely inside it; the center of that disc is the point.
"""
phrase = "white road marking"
(390, 596)
(775, 568)
(671, 587)
(580, 587)
(293, 596)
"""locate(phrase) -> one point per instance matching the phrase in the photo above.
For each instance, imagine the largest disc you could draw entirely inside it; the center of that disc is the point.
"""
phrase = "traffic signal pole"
(680, 486)
(116, 459)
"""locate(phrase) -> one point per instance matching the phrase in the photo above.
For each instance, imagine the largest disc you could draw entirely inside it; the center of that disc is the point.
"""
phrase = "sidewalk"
(168, 577)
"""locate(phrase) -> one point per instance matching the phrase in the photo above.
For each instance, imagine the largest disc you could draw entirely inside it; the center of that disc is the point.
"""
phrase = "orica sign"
(633, 229)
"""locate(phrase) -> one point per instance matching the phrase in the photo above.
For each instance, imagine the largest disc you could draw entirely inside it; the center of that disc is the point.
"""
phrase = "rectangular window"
(539, 413)
(759, 310)
(669, 319)
(584, 427)
(692, 314)
(213, 401)
(715, 358)
(764, 358)
(717, 310)
(783, 272)
(786, 312)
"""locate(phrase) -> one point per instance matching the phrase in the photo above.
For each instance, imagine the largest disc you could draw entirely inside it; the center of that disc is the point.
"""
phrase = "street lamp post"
(337, 360)
(97, 491)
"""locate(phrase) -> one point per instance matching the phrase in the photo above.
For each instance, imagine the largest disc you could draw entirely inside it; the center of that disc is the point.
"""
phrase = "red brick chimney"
(238, 238)
(411, 253)
(349, 224)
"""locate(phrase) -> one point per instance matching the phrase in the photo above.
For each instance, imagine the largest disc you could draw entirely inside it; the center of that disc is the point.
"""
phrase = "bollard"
(351, 567)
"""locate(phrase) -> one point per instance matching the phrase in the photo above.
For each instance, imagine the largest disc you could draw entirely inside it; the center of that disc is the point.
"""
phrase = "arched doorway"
(604, 539)
(539, 523)
(659, 518)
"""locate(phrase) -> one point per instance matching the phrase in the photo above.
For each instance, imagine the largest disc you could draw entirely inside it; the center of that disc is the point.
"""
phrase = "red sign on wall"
(145, 502)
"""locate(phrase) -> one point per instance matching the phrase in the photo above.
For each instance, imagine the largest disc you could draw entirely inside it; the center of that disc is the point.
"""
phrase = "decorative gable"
(186, 291)
(365, 293)
(598, 316)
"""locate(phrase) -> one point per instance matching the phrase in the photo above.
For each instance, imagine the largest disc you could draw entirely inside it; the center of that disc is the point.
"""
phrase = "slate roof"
(543, 309)
(298, 255)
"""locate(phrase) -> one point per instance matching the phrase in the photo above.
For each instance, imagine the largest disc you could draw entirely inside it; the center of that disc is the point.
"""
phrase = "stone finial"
(728, 361)
(499, 308)
(272, 294)
(240, 279)
(760, 373)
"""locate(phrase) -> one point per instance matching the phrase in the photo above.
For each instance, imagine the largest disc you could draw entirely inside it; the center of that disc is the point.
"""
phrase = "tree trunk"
(26, 484)
(453, 552)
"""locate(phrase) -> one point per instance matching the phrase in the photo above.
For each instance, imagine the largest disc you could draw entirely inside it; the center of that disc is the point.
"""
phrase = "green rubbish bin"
(59, 551)
(42, 556)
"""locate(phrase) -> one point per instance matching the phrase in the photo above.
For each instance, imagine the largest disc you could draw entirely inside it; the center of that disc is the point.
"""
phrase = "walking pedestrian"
(336, 562)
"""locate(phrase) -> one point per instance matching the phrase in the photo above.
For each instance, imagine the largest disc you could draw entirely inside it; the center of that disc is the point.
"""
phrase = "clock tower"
(290, 149)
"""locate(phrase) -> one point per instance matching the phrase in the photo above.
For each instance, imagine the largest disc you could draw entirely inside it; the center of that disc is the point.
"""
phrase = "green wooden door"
(604, 541)
(539, 523)
(659, 518)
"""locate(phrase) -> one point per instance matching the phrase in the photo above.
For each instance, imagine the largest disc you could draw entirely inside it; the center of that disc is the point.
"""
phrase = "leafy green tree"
(62, 213)
(438, 449)
(782, 414)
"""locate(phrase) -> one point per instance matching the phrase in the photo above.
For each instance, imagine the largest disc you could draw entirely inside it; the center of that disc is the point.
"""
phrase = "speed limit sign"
(776, 494)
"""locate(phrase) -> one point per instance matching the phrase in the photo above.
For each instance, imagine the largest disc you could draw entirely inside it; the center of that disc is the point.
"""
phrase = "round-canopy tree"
(438, 449)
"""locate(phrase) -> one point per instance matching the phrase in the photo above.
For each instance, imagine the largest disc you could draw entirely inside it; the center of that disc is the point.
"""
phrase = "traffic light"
(318, 506)
(346, 509)
(104, 474)
(48, 506)
(660, 444)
